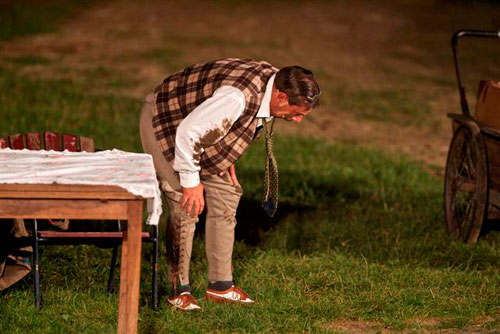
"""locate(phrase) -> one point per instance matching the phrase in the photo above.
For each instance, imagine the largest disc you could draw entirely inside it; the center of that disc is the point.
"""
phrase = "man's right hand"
(192, 200)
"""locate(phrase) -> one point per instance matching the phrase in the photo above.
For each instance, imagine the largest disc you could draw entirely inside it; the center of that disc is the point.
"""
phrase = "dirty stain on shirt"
(211, 137)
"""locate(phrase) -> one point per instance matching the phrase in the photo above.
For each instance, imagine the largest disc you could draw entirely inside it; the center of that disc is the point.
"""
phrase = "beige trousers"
(221, 202)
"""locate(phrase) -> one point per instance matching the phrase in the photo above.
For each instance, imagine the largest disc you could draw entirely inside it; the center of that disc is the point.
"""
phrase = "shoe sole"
(184, 310)
(222, 300)
(181, 309)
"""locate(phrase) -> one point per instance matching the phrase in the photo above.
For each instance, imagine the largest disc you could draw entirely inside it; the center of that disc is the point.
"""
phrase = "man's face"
(280, 108)
(292, 113)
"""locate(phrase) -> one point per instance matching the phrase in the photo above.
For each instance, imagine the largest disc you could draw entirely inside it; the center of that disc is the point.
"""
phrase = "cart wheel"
(466, 183)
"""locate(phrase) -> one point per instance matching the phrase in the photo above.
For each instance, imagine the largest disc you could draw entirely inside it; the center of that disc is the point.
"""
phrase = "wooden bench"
(53, 141)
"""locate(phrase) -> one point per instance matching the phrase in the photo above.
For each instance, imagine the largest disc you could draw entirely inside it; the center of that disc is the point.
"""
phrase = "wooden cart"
(472, 178)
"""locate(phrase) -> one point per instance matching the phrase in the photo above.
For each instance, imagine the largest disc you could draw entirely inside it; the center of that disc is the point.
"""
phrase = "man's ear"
(282, 95)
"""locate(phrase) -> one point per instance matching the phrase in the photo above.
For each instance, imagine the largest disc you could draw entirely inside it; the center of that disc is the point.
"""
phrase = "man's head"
(295, 93)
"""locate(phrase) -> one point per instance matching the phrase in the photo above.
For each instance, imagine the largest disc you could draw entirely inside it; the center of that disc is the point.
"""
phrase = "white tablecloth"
(134, 172)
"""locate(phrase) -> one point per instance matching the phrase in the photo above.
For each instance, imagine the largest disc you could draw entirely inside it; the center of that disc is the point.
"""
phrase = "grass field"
(358, 244)
(32, 17)
(359, 237)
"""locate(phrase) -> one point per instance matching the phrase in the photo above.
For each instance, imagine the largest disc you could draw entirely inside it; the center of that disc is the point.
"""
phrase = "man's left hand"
(232, 175)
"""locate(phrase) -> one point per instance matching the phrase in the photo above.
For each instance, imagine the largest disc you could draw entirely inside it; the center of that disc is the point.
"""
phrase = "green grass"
(359, 236)
(30, 60)
(400, 106)
(65, 107)
(101, 77)
(166, 55)
(31, 17)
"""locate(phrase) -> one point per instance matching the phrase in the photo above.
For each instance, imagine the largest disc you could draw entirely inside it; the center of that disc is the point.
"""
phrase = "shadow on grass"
(253, 221)
(489, 226)
(389, 222)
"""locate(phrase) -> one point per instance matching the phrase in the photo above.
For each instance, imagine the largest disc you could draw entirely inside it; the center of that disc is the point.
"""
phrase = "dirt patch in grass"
(378, 49)
(348, 327)
(416, 325)
(438, 325)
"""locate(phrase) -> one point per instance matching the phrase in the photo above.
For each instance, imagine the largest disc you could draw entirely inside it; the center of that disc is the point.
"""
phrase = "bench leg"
(112, 269)
(36, 267)
(114, 259)
(155, 268)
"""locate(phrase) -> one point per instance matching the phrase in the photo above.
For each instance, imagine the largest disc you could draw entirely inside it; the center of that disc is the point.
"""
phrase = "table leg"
(128, 306)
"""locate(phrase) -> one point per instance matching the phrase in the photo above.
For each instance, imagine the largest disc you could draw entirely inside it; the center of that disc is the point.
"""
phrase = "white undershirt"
(224, 107)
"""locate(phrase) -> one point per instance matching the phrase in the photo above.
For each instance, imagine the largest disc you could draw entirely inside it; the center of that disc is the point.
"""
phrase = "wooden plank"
(16, 141)
(128, 308)
(51, 140)
(33, 141)
(108, 235)
(3, 142)
(87, 144)
(71, 195)
(493, 149)
(60, 187)
(60, 209)
(53, 191)
(69, 142)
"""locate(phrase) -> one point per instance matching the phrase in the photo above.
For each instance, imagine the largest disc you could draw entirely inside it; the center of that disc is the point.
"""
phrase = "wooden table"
(44, 201)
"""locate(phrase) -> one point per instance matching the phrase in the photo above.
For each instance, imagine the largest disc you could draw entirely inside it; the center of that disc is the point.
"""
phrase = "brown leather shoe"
(231, 295)
(184, 302)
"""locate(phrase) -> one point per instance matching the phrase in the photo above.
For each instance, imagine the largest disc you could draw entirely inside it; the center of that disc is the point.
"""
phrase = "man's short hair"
(299, 85)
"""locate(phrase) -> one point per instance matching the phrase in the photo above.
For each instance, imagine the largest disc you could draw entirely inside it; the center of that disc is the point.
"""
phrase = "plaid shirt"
(182, 92)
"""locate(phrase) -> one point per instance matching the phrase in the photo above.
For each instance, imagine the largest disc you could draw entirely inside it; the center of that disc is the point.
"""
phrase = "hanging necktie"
(270, 200)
